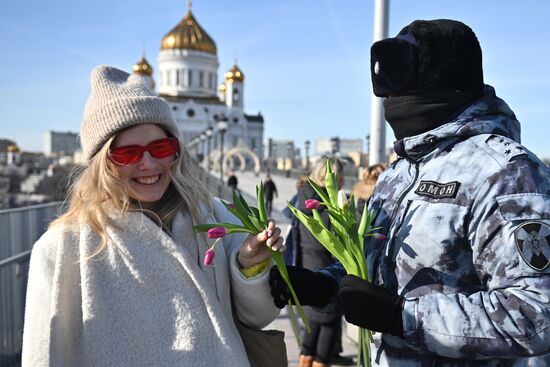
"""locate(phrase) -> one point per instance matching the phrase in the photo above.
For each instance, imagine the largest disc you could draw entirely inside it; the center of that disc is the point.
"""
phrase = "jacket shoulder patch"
(532, 242)
(506, 147)
(437, 190)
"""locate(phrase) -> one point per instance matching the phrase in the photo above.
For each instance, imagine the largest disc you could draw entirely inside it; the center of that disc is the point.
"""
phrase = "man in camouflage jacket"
(463, 277)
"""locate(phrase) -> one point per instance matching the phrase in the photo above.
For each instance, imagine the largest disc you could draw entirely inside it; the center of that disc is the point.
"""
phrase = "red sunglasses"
(132, 154)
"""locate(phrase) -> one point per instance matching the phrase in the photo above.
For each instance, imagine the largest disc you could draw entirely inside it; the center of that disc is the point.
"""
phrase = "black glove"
(371, 306)
(312, 288)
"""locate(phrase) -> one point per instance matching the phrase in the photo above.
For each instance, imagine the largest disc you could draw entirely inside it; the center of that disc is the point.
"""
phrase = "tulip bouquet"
(253, 221)
(345, 241)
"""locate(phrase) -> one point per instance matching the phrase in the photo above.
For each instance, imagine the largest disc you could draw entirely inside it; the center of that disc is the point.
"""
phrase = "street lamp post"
(265, 156)
(222, 127)
(377, 122)
(191, 145)
(306, 146)
(334, 145)
(289, 148)
(208, 133)
(198, 148)
(274, 148)
(202, 138)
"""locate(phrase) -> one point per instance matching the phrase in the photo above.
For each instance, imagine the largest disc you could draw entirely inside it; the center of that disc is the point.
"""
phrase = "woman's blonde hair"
(97, 188)
(365, 188)
(300, 181)
(319, 171)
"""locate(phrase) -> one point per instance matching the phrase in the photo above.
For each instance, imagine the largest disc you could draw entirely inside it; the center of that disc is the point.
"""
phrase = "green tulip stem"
(294, 324)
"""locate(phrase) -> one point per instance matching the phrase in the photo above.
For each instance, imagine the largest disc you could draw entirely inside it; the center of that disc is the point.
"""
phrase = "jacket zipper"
(392, 218)
(389, 264)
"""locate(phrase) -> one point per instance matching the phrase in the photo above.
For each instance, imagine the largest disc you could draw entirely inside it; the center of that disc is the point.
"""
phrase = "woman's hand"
(254, 249)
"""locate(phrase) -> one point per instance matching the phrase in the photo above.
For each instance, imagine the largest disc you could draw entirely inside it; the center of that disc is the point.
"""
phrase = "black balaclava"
(418, 112)
(429, 74)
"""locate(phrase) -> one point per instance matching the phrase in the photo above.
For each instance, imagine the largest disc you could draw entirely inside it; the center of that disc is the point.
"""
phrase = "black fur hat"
(426, 55)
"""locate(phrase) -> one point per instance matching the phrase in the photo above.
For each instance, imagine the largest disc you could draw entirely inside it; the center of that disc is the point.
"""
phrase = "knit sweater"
(145, 300)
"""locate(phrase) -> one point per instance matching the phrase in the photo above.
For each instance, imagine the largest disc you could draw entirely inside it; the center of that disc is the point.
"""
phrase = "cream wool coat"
(146, 300)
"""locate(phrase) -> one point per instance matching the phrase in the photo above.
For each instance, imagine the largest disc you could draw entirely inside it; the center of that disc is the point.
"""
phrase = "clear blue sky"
(306, 62)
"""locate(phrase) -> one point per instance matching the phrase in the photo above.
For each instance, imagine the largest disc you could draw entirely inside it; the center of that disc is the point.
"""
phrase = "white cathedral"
(188, 81)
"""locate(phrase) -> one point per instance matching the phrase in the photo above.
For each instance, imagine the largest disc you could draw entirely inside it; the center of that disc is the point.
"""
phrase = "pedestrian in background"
(362, 191)
(462, 276)
(119, 279)
(232, 181)
(270, 190)
(319, 346)
(292, 253)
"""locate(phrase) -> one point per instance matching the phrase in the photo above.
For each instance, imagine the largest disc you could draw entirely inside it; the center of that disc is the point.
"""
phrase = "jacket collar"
(487, 115)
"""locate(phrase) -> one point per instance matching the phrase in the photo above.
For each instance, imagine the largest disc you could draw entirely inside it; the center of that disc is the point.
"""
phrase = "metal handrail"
(20, 228)
(16, 259)
(31, 207)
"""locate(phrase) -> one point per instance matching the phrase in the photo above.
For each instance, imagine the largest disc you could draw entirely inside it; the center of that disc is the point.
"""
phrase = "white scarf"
(144, 301)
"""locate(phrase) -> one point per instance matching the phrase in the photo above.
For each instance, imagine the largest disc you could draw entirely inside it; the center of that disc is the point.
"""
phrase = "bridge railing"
(19, 229)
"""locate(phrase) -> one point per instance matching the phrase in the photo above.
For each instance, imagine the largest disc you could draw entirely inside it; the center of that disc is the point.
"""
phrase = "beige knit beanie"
(119, 100)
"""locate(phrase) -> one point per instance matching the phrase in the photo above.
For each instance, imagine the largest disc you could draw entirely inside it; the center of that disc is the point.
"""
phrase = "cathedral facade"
(188, 80)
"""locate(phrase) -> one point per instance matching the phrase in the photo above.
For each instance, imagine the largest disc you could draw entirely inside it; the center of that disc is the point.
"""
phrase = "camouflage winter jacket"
(466, 211)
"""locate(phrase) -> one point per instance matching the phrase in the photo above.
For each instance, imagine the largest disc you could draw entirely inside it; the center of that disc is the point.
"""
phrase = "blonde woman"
(363, 190)
(119, 279)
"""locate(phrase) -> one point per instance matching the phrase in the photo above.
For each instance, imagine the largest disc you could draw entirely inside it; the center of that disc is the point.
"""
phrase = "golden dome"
(13, 148)
(222, 88)
(234, 74)
(188, 35)
(142, 67)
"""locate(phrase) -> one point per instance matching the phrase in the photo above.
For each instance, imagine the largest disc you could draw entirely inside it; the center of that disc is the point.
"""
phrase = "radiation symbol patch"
(533, 244)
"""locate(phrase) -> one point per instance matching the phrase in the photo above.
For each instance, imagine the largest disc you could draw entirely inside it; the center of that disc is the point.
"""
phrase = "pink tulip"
(209, 257)
(379, 236)
(216, 232)
(312, 203)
